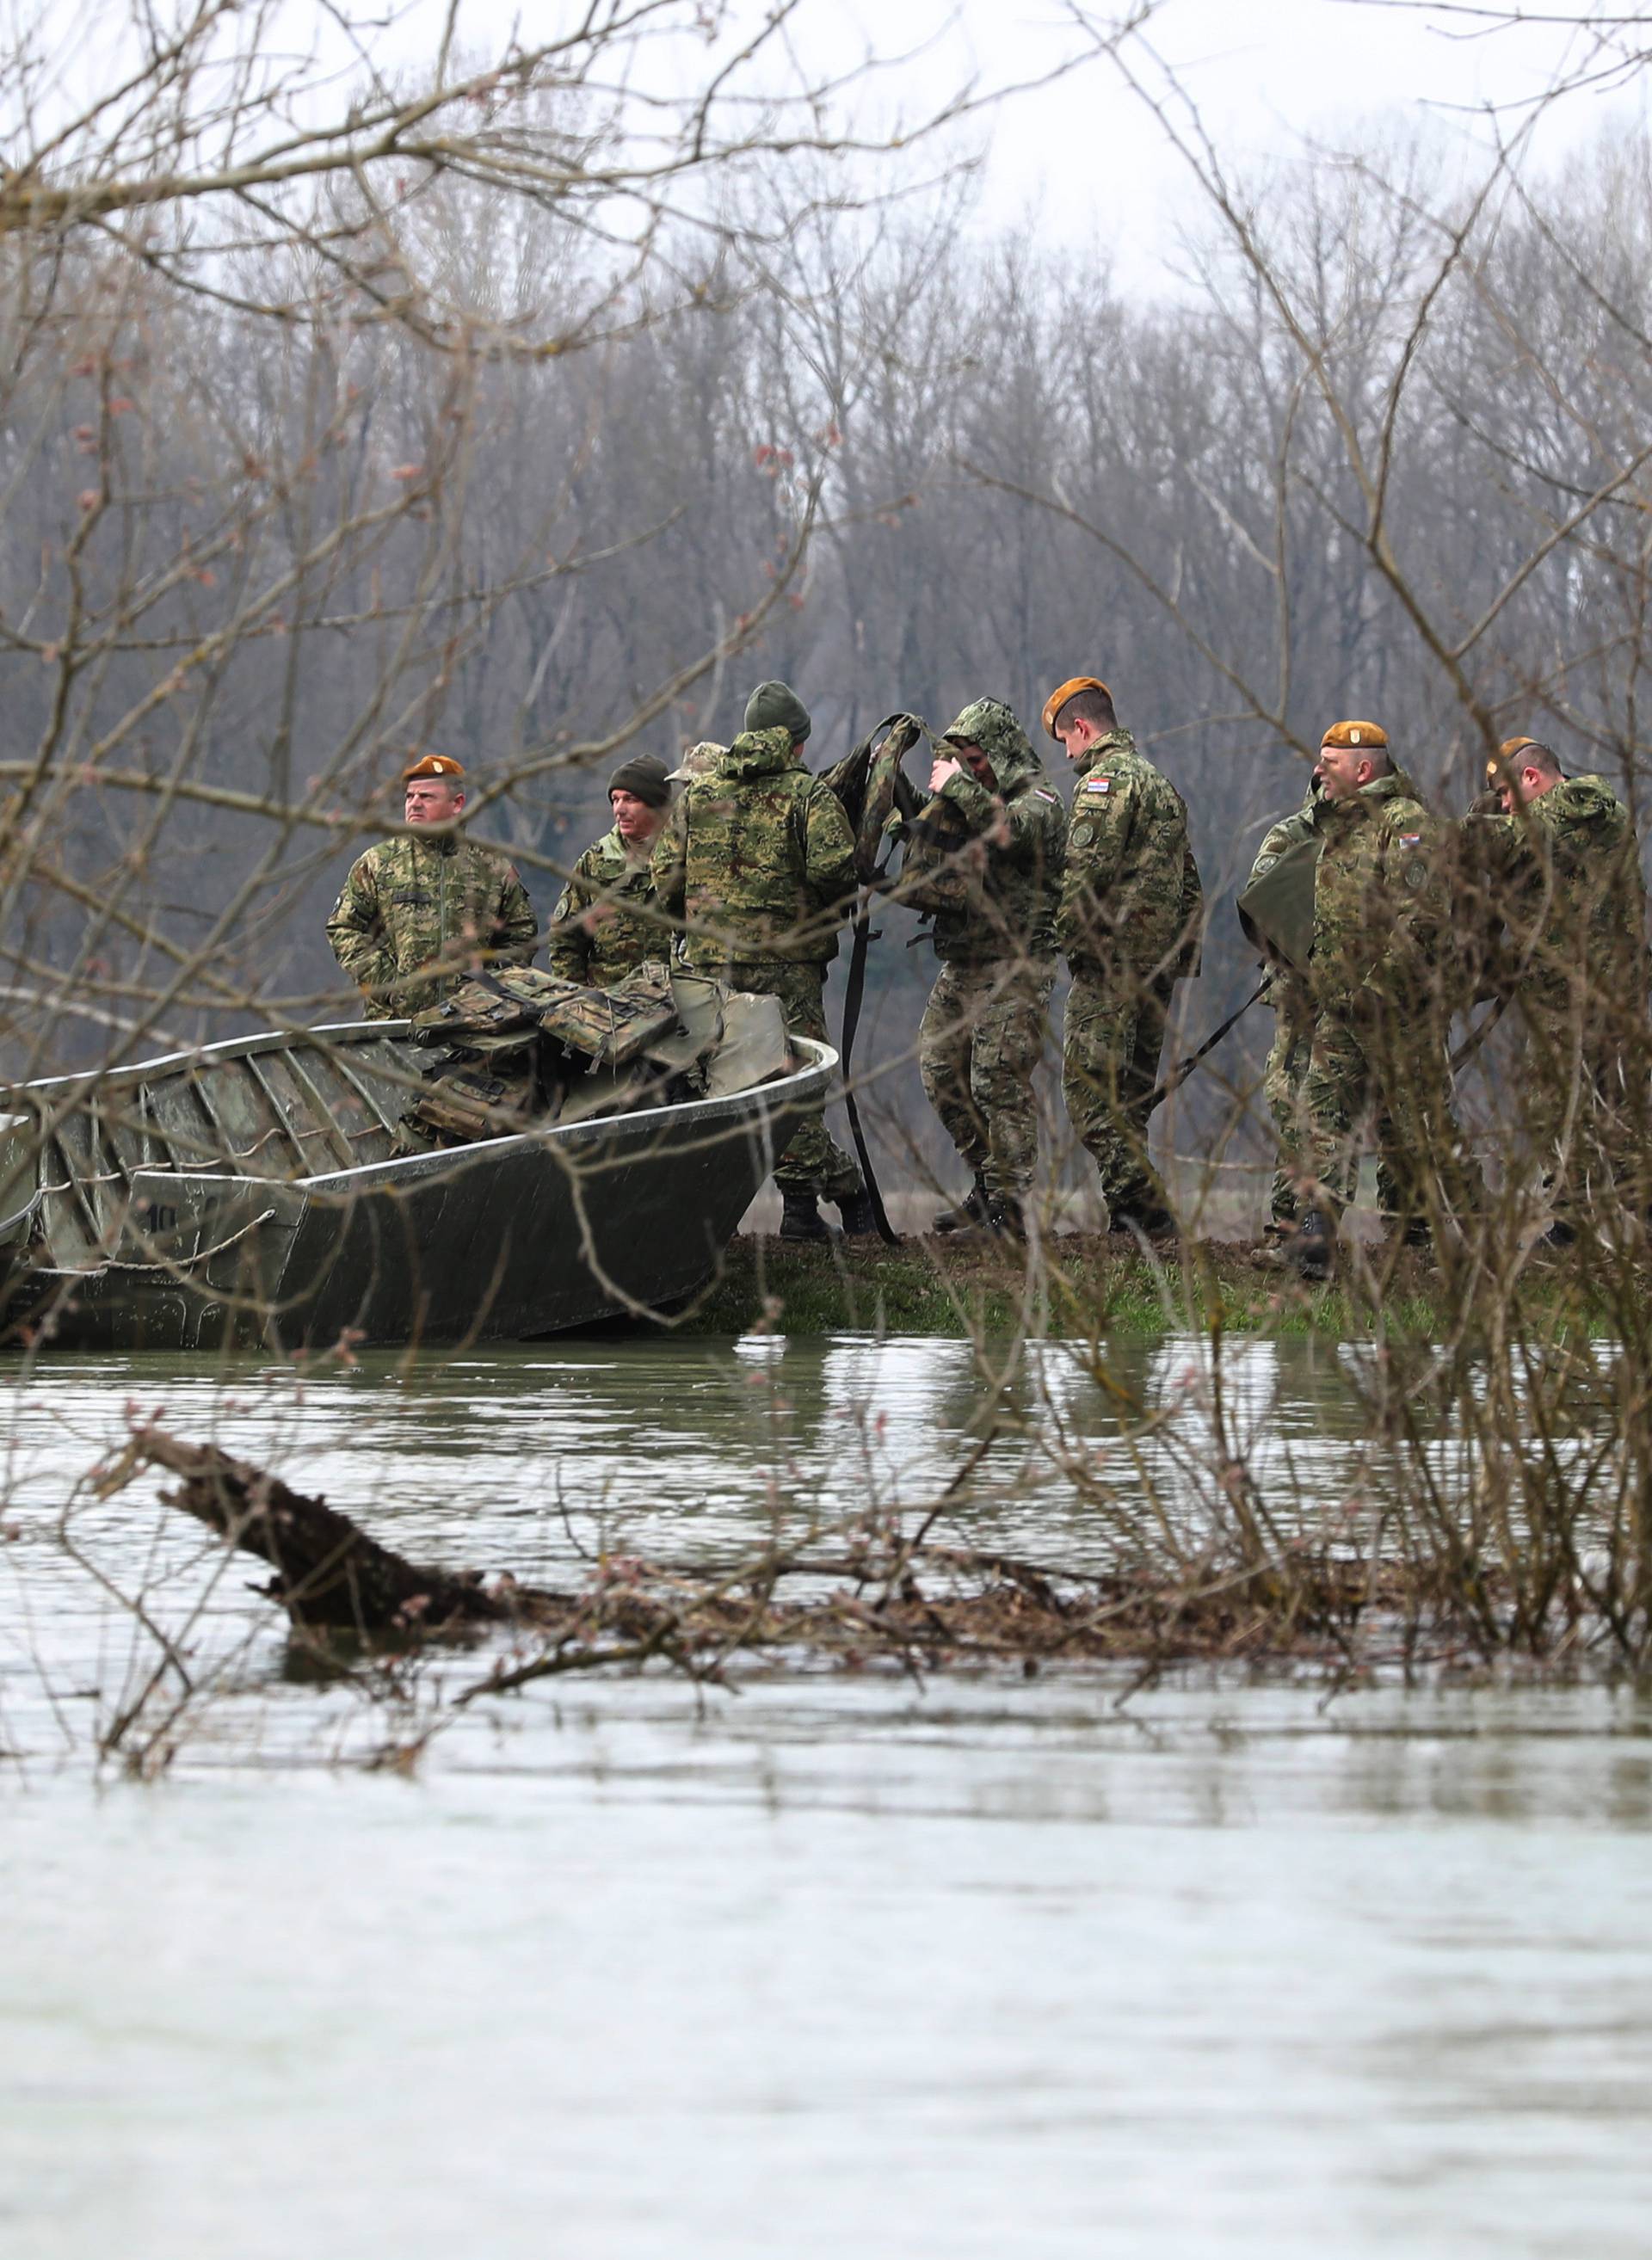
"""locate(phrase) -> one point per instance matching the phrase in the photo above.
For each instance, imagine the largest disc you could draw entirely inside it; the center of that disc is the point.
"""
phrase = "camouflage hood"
(1585, 799)
(987, 723)
(758, 753)
(1393, 784)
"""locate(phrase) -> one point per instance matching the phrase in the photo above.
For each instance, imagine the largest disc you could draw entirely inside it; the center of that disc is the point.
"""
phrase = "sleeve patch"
(1409, 838)
(1054, 798)
(1097, 784)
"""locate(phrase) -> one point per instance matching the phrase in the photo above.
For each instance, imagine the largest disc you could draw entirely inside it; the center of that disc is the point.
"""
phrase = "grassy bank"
(1083, 1285)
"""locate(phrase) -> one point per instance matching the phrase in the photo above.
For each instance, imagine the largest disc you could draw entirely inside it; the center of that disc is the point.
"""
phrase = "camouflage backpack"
(506, 1011)
(872, 786)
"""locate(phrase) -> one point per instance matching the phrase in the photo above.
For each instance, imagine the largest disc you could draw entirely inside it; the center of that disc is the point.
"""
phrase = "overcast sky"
(1083, 157)
(1268, 76)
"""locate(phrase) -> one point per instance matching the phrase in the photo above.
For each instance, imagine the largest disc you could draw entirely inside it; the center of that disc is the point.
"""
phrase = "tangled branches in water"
(876, 1590)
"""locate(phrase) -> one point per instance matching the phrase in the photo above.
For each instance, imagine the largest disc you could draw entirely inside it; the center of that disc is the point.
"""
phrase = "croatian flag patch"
(1409, 838)
(1098, 785)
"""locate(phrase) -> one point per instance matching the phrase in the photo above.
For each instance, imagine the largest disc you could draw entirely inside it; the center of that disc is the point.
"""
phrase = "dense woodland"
(1382, 450)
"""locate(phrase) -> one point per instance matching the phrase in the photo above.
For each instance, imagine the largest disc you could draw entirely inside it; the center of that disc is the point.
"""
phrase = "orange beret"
(1508, 751)
(1362, 734)
(1057, 699)
(433, 765)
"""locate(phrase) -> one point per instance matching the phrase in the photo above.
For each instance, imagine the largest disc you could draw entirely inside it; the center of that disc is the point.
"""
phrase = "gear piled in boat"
(581, 1153)
(520, 1045)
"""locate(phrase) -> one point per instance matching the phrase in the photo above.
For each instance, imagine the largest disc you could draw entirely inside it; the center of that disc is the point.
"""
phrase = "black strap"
(852, 996)
(1183, 1068)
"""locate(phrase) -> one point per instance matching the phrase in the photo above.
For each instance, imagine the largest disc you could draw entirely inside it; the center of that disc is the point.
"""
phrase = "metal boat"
(259, 1193)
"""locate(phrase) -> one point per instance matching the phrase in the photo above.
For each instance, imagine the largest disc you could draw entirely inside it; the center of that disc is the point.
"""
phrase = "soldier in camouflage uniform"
(1131, 911)
(416, 916)
(1562, 869)
(699, 761)
(1292, 1003)
(1382, 996)
(758, 860)
(600, 930)
(985, 856)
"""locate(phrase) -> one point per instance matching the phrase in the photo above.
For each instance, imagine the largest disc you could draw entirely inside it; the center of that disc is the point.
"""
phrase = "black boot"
(1149, 1218)
(1311, 1249)
(1005, 1219)
(855, 1209)
(970, 1211)
(801, 1218)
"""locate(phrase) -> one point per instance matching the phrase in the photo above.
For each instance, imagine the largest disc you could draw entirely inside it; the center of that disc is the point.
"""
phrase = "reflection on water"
(840, 1963)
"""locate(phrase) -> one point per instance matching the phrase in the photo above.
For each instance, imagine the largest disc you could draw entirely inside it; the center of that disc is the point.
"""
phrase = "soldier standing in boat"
(757, 858)
(418, 913)
(602, 929)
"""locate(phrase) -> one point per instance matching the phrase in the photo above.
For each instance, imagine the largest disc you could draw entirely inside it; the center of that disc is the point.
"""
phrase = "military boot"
(1277, 1250)
(1150, 1219)
(970, 1211)
(801, 1218)
(1313, 1248)
(859, 1220)
(1005, 1219)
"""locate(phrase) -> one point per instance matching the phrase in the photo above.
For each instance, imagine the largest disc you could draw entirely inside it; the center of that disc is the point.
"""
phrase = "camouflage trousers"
(1382, 1064)
(1583, 1130)
(813, 1163)
(980, 1040)
(1282, 1081)
(1116, 1027)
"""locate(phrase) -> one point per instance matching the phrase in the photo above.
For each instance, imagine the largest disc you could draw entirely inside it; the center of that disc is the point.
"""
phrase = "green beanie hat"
(777, 706)
(646, 777)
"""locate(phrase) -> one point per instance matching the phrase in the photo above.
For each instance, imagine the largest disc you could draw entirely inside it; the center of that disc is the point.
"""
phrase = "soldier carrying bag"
(1277, 910)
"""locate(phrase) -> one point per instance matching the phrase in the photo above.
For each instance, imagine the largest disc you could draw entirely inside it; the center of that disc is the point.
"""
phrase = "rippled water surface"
(834, 1964)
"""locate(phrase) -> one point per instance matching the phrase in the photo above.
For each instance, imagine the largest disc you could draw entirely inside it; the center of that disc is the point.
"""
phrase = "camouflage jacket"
(1132, 899)
(757, 858)
(595, 935)
(415, 915)
(1288, 994)
(1381, 907)
(1563, 877)
(988, 864)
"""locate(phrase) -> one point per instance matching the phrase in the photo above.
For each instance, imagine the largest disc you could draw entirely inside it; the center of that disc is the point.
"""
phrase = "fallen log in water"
(330, 1576)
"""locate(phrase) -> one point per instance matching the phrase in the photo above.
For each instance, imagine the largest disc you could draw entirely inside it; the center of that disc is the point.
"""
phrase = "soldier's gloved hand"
(1486, 804)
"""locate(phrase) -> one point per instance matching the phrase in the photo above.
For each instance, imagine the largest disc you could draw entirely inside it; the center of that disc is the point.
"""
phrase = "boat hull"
(508, 1238)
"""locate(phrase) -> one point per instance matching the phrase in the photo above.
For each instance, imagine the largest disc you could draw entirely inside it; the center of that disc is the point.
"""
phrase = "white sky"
(1270, 78)
(1083, 157)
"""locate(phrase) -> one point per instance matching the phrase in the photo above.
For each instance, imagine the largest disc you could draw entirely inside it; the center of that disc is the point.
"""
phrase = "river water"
(837, 1962)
